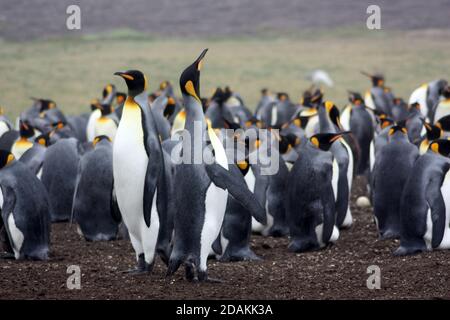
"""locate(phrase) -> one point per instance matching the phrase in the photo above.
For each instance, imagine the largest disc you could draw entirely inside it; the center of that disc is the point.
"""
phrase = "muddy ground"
(24, 19)
(338, 272)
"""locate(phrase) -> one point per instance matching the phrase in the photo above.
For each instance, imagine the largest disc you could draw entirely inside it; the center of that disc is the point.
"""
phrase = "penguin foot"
(302, 246)
(389, 234)
(142, 267)
(190, 272)
(243, 255)
(7, 256)
(203, 277)
(406, 251)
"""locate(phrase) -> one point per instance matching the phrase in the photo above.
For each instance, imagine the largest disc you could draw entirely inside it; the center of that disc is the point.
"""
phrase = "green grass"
(72, 71)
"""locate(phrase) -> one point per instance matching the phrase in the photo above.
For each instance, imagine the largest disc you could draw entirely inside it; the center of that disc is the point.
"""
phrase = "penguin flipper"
(261, 185)
(233, 181)
(153, 176)
(329, 213)
(115, 211)
(437, 206)
(9, 202)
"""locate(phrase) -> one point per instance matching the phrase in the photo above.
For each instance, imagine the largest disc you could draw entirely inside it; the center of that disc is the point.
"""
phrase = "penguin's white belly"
(39, 174)
(345, 118)
(274, 116)
(90, 128)
(319, 233)
(445, 191)
(334, 178)
(261, 228)
(372, 155)
(442, 110)
(129, 167)
(311, 126)
(106, 127)
(427, 237)
(3, 128)
(20, 147)
(16, 235)
(215, 206)
(348, 220)
(420, 96)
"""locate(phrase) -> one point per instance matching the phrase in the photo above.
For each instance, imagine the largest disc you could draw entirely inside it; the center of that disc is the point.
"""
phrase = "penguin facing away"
(393, 165)
(311, 211)
(204, 184)
(94, 208)
(59, 174)
(24, 210)
(138, 169)
(425, 205)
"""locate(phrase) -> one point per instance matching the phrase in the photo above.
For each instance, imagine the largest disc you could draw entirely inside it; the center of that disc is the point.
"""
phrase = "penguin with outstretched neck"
(329, 123)
(203, 181)
(311, 210)
(138, 170)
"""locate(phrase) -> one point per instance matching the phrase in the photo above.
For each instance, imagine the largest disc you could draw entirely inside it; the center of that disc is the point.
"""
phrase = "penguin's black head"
(355, 98)
(324, 141)
(136, 81)
(190, 78)
(287, 142)
(433, 131)
(282, 96)
(6, 158)
(58, 125)
(398, 128)
(95, 104)
(414, 106)
(333, 113)
(441, 146)
(120, 98)
(44, 139)
(107, 90)
(106, 109)
(25, 129)
(444, 123)
(100, 138)
(446, 92)
(46, 104)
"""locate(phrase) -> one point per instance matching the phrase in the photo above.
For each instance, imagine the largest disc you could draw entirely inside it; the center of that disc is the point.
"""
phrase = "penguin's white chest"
(90, 128)
(16, 236)
(105, 126)
(445, 191)
(130, 166)
(19, 147)
(3, 128)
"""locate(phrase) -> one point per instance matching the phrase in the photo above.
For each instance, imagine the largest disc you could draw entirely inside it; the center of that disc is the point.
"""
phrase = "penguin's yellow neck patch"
(435, 147)
(130, 103)
(189, 86)
(103, 119)
(315, 141)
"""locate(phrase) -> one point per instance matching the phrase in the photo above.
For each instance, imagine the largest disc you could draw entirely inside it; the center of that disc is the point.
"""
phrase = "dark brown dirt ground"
(334, 273)
(24, 19)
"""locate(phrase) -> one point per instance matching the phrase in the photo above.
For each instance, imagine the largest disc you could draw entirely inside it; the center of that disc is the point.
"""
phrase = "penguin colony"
(112, 171)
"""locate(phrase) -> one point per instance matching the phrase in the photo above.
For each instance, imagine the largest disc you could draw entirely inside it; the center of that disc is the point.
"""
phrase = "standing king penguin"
(24, 210)
(201, 188)
(138, 171)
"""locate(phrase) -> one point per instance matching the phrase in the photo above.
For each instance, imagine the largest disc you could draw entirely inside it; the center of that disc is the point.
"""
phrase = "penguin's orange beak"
(124, 75)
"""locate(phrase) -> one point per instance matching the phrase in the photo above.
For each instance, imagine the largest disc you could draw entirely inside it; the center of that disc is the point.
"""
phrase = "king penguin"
(138, 169)
(94, 208)
(343, 156)
(26, 132)
(203, 180)
(311, 210)
(393, 165)
(24, 210)
(34, 157)
(425, 205)
(106, 125)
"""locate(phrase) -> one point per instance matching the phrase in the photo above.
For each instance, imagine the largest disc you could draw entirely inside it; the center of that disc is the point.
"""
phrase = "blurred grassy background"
(72, 71)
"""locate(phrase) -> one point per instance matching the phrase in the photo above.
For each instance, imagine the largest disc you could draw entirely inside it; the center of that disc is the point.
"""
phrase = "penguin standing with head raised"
(343, 156)
(425, 204)
(24, 210)
(311, 210)
(393, 165)
(138, 169)
(203, 181)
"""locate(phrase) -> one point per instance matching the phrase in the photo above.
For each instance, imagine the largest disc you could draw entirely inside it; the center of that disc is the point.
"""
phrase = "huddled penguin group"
(192, 178)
